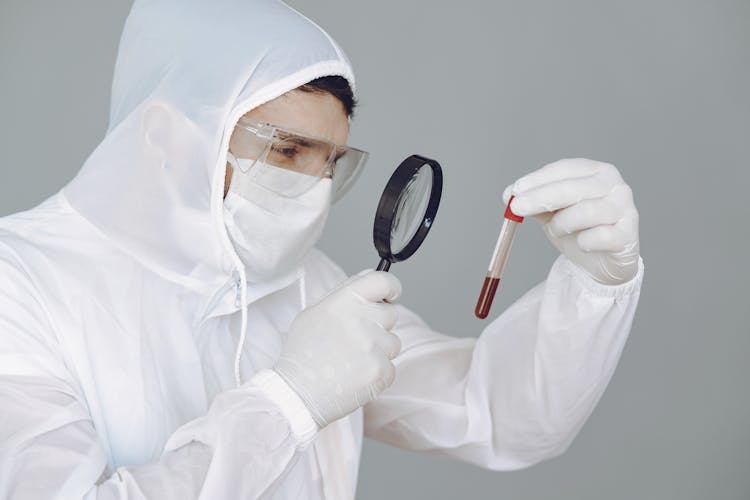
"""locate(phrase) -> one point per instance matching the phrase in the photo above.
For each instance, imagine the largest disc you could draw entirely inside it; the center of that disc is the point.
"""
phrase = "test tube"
(511, 222)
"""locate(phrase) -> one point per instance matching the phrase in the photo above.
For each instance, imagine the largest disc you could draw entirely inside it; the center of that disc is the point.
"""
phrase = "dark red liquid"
(485, 297)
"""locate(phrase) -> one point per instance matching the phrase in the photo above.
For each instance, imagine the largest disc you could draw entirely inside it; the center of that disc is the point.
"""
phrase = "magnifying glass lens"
(407, 209)
(411, 208)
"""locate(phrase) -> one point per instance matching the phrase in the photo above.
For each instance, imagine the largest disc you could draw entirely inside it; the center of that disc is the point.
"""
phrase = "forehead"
(317, 114)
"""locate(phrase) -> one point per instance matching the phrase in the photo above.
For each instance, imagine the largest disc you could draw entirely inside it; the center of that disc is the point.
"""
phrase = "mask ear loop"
(233, 160)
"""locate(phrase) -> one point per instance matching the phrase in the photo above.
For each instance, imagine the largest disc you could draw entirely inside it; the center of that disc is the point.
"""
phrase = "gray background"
(494, 90)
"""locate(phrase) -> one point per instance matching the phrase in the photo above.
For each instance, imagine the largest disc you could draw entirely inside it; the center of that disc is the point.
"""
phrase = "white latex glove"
(337, 355)
(587, 212)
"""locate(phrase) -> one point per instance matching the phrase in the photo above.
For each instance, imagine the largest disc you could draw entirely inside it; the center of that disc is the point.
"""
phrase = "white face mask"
(272, 233)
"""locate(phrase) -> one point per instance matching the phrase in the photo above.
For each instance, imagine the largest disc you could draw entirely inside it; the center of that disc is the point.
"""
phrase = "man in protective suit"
(168, 331)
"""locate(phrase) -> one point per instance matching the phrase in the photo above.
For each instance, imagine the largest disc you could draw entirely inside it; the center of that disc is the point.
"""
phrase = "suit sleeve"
(49, 448)
(520, 392)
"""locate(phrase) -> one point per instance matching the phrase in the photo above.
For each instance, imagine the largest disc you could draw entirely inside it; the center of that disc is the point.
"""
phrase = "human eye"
(288, 151)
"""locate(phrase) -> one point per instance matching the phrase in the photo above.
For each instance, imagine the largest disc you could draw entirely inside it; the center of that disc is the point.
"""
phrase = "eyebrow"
(301, 141)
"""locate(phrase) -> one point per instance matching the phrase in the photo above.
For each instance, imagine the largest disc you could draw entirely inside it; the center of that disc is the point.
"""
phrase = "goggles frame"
(274, 136)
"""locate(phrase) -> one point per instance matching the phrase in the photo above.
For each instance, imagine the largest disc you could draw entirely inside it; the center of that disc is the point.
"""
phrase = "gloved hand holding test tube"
(499, 258)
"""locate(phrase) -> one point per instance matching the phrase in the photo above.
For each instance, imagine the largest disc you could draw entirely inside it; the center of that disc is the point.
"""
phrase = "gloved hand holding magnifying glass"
(338, 353)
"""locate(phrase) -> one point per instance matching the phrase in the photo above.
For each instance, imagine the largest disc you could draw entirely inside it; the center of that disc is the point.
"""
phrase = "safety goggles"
(312, 158)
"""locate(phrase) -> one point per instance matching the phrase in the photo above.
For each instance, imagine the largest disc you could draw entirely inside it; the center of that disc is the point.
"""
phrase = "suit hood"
(186, 71)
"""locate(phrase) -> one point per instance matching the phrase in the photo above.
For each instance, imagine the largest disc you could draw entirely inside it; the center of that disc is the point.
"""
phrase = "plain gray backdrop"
(494, 90)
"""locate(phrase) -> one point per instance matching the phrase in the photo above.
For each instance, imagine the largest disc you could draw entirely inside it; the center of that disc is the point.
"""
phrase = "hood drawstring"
(241, 294)
(241, 302)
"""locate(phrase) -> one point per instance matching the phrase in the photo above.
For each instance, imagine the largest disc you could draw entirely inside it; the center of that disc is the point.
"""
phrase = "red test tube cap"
(509, 213)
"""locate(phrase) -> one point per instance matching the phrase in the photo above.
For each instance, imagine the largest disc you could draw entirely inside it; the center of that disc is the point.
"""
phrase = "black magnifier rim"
(386, 212)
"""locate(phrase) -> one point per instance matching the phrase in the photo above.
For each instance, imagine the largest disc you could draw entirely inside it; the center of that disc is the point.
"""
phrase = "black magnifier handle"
(384, 265)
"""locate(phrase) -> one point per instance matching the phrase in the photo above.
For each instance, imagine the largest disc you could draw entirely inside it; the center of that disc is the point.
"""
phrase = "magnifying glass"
(407, 209)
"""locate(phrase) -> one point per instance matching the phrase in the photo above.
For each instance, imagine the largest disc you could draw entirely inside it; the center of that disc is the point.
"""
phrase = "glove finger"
(384, 314)
(389, 375)
(377, 372)
(569, 168)
(543, 217)
(376, 286)
(385, 375)
(558, 195)
(584, 215)
(348, 280)
(506, 194)
(373, 339)
(606, 238)
(388, 343)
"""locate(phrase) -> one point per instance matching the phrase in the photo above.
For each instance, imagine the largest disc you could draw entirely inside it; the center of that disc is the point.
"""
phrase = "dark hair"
(337, 86)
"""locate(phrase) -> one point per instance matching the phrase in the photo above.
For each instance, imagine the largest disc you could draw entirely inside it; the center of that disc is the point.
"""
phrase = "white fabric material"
(102, 366)
(250, 175)
(337, 355)
(272, 233)
(122, 302)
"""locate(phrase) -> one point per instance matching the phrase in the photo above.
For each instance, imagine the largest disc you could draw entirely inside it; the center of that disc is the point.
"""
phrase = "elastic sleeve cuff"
(291, 405)
(566, 266)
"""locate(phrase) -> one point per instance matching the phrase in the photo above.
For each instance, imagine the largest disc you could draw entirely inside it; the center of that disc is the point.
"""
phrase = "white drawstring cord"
(243, 327)
(243, 330)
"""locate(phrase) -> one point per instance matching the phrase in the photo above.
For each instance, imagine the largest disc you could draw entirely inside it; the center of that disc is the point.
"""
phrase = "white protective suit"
(121, 306)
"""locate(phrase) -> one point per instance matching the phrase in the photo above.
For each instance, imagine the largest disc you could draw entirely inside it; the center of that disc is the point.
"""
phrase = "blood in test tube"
(497, 264)
(485, 297)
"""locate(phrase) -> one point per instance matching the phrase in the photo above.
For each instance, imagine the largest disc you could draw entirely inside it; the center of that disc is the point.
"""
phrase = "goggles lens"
(284, 153)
